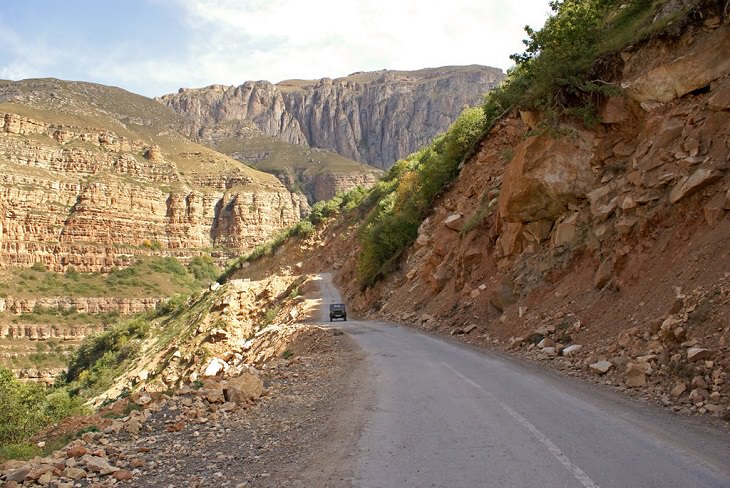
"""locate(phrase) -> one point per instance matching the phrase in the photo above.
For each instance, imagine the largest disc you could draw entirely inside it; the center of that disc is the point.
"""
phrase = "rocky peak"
(374, 117)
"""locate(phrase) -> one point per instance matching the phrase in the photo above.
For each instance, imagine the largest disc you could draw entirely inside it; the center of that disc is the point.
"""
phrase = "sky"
(154, 47)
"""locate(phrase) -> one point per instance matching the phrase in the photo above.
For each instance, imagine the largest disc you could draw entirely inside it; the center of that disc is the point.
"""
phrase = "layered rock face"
(95, 197)
(376, 117)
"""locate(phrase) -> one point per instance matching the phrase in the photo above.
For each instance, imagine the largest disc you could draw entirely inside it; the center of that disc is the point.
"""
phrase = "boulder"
(98, 465)
(690, 184)
(123, 475)
(635, 375)
(545, 175)
(74, 473)
(454, 222)
(503, 295)
(472, 256)
(565, 231)
(704, 61)
(720, 99)
(537, 231)
(697, 353)
(572, 349)
(18, 475)
(601, 367)
(247, 386)
(510, 239)
(678, 389)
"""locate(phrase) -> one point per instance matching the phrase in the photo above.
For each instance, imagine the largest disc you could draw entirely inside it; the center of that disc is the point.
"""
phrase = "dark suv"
(338, 311)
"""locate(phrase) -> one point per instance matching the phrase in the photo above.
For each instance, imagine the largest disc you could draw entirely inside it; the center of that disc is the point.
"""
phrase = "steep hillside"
(373, 117)
(600, 250)
(93, 176)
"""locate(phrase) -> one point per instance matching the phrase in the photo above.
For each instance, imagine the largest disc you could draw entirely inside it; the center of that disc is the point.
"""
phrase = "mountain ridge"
(374, 117)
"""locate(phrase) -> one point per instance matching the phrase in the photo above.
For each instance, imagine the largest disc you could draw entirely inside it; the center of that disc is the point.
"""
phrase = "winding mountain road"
(450, 415)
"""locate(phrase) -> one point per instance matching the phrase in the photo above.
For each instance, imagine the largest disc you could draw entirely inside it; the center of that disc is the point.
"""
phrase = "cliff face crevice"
(376, 117)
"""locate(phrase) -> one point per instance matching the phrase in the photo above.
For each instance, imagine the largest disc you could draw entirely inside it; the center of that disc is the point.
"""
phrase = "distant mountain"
(372, 117)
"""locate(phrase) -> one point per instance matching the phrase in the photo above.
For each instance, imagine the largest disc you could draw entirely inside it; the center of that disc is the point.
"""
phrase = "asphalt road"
(450, 415)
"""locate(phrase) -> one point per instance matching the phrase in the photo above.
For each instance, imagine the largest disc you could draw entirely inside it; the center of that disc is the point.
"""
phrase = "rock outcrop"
(374, 117)
(81, 188)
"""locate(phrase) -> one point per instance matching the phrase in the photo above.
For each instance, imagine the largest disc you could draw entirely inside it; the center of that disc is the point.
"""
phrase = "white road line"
(577, 473)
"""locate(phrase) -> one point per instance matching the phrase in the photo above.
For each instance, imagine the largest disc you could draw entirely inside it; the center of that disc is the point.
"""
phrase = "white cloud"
(235, 41)
(231, 41)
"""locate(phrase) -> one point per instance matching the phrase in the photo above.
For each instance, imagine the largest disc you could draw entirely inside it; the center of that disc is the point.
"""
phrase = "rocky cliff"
(92, 176)
(373, 117)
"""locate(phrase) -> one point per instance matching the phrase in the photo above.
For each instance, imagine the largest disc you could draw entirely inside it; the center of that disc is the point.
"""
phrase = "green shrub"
(100, 356)
(407, 192)
(38, 266)
(167, 265)
(204, 269)
(554, 74)
(27, 408)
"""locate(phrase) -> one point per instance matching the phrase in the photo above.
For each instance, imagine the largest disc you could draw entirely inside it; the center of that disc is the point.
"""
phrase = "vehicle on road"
(338, 311)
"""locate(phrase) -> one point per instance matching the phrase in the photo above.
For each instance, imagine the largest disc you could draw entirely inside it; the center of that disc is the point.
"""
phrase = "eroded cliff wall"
(92, 193)
(374, 117)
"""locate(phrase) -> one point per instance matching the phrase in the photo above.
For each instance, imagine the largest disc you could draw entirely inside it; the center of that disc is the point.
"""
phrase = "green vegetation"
(555, 75)
(27, 408)
(148, 276)
(99, 358)
(408, 190)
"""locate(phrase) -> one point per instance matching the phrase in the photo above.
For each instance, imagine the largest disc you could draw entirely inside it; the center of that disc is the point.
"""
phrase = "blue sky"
(153, 47)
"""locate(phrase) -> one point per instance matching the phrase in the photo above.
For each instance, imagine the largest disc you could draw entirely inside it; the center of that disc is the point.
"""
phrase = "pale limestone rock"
(572, 349)
(215, 367)
(690, 184)
(454, 222)
(601, 367)
(697, 353)
(703, 62)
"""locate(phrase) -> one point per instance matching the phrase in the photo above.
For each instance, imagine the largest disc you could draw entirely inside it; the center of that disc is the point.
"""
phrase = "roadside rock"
(601, 367)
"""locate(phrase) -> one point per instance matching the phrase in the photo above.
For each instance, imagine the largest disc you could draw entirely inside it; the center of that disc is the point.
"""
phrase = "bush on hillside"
(204, 269)
(28, 407)
(407, 192)
(553, 74)
(99, 358)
